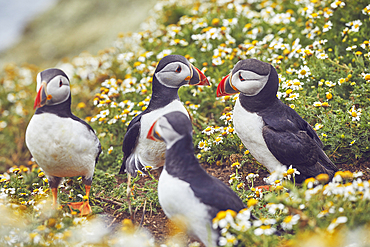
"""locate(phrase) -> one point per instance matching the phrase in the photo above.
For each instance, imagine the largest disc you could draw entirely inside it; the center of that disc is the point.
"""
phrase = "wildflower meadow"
(321, 51)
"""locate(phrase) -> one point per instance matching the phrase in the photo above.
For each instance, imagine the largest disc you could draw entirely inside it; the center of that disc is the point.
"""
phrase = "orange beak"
(37, 103)
(225, 88)
(152, 134)
(198, 78)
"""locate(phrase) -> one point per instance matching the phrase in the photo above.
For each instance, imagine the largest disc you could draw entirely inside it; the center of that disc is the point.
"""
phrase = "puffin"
(186, 192)
(172, 72)
(273, 132)
(62, 144)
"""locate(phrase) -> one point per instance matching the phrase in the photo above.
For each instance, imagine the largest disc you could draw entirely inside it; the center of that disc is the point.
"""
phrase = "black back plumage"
(49, 74)
(288, 137)
(181, 163)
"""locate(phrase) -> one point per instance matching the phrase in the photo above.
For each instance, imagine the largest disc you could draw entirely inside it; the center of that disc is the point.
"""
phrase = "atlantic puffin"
(186, 192)
(62, 144)
(273, 132)
(172, 72)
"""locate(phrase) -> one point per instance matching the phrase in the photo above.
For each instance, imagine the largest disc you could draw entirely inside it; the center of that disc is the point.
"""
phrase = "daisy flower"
(366, 10)
(341, 80)
(354, 25)
(327, 26)
(272, 207)
(351, 48)
(290, 221)
(202, 144)
(366, 76)
(264, 230)
(304, 72)
(228, 240)
(337, 3)
(251, 176)
(208, 131)
(330, 83)
(163, 53)
(322, 55)
(291, 172)
(278, 174)
(318, 126)
(336, 222)
(218, 140)
(355, 114)
(329, 95)
(292, 96)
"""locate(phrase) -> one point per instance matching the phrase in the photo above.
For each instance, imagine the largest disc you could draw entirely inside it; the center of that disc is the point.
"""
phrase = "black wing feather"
(181, 163)
(211, 191)
(130, 140)
(291, 148)
(294, 142)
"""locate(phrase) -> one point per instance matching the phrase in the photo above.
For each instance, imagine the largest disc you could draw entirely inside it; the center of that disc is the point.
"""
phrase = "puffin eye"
(60, 83)
(178, 70)
(241, 77)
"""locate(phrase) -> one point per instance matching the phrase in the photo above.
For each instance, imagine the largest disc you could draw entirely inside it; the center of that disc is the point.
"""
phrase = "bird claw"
(83, 207)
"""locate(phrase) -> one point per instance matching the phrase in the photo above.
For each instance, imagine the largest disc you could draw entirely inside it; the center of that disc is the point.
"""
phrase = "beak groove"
(198, 78)
(152, 134)
(225, 88)
(42, 96)
(37, 103)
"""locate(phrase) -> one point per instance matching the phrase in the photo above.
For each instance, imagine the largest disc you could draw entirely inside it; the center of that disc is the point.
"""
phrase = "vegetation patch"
(320, 49)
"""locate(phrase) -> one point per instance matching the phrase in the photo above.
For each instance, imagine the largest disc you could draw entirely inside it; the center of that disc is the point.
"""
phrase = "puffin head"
(250, 77)
(175, 70)
(170, 128)
(52, 88)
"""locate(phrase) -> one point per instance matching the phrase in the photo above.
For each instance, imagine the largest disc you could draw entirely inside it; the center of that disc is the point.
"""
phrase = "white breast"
(180, 204)
(63, 147)
(248, 127)
(152, 153)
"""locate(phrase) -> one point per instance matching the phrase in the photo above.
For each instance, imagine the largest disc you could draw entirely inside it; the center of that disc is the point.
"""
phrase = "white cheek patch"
(253, 83)
(58, 93)
(170, 78)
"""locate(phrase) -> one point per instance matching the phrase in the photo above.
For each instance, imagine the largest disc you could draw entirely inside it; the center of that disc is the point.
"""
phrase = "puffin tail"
(327, 164)
(123, 167)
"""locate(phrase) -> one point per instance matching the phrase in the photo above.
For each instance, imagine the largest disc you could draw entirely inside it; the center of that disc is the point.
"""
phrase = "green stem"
(339, 65)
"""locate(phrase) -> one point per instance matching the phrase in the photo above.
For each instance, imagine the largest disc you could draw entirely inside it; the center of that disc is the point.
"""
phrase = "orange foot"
(83, 207)
(265, 187)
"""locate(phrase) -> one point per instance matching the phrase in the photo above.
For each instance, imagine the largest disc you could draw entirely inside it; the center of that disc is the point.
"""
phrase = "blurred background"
(42, 32)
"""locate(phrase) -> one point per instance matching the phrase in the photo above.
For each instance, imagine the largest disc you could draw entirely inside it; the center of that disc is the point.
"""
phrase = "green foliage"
(321, 51)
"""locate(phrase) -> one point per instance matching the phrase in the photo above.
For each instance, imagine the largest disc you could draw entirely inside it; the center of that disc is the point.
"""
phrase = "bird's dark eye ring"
(60, 83)
(178, 70)
(240, 77)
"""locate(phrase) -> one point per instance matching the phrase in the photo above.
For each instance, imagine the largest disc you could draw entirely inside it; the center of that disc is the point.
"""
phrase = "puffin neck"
(180, 157)
(161, 95)
(256, 103)
(61, 110)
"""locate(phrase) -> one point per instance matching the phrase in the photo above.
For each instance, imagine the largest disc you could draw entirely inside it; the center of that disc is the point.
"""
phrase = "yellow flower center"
(322, 177)
(288, 219)
(251, 202)
(290, 171)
